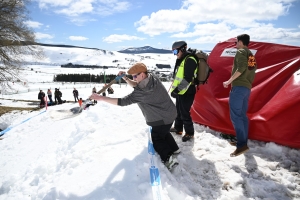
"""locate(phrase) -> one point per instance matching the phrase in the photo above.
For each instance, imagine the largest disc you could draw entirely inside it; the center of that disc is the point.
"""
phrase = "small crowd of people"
(58, 95)
(160, 112)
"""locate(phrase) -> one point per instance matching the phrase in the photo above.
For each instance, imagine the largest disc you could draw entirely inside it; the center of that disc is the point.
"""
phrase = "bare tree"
(16, 40)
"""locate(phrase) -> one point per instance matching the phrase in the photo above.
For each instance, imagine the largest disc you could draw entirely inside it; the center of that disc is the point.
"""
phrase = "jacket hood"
(149, 83)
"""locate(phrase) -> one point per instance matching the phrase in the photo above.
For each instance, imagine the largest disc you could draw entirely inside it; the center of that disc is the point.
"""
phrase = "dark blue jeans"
(238, 103)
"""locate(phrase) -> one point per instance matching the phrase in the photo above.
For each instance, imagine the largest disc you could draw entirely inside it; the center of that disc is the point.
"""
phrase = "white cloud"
(164, 21)
(33, 24)
(112, 7)
(73, 8)
(39, 36)
(263, 32)
(78, 38)
(235, 13)
(45, 4)
(217, 22)
(77, 8)
(120, 38)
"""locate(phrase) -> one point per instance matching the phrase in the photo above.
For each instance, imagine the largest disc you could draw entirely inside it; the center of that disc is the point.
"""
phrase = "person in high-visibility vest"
(183, 89)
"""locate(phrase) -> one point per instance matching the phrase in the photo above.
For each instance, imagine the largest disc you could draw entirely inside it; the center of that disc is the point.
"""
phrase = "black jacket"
(41, 95)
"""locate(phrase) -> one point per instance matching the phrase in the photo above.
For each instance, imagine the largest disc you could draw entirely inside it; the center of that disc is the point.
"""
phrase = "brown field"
(6, 109)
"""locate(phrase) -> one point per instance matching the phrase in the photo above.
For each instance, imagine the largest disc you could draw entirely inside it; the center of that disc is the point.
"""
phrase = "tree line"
(86, 78)
(93, 78)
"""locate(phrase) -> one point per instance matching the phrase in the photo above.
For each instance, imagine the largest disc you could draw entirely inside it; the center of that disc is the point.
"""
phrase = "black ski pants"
(183, 119)
(163, 141)
(76, 97)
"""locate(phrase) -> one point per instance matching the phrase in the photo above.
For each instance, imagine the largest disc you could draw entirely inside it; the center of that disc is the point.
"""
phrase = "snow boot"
(187, 137)
(174, 130)
(171, 162)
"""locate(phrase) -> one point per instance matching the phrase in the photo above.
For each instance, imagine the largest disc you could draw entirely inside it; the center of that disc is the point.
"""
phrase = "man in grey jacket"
(156, 106)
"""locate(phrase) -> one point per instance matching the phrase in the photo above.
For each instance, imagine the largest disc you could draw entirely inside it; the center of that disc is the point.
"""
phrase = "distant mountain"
(145, 49)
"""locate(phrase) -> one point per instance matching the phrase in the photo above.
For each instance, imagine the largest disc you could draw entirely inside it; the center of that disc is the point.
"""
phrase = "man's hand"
(226, 83)
(174, 93)
(121, 72)
(95, 96)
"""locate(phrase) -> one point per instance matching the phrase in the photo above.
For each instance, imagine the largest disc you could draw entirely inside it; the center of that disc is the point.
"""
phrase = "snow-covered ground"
(102, 154)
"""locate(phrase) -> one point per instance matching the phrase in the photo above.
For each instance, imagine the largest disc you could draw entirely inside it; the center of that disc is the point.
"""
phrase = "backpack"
(251, 61)
(203, 68)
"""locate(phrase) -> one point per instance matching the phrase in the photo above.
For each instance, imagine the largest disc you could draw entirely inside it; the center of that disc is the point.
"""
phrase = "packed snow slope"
(102, 154)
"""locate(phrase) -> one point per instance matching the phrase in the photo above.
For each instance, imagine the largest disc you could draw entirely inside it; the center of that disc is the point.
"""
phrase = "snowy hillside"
(145, 49)
(57, 56)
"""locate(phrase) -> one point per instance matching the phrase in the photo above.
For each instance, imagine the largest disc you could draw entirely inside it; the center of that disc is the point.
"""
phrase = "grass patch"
(7, 109)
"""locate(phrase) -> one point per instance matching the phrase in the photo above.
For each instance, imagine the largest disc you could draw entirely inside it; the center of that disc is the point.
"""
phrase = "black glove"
(174, 93)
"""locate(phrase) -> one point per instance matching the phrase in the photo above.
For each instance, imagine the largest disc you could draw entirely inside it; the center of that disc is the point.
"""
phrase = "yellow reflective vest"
(180, 76)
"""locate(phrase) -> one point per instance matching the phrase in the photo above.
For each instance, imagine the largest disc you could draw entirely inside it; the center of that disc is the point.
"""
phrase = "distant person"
(94, 91)
(110, 90)
(157, 107)
(49, 93)
(41, 96)
(75, 94)
(56, 96)
(104, 93)
(59, 95)
(80, 101)
(241, 81)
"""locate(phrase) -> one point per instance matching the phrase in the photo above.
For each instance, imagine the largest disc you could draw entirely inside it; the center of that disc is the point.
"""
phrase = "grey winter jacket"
(154, 101)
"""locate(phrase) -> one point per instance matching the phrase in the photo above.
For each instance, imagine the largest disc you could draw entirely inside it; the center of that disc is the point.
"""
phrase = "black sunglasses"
(135, 76)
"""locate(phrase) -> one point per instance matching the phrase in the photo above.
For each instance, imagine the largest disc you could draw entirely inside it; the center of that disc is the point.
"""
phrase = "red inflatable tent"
(274, 105)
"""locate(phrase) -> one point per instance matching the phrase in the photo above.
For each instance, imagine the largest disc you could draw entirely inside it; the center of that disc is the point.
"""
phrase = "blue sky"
(118, 24)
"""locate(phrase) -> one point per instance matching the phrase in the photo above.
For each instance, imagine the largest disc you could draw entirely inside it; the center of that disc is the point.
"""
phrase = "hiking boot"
(239, 151)
(174, 130)
(187, 137)
(177, 151)
(171, 163)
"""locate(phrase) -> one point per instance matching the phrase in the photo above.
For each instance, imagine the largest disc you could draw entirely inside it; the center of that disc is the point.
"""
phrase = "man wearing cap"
(183, 89)
(157, 107)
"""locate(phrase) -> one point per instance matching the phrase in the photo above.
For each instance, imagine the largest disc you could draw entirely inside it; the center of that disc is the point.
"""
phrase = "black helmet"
(179, 45)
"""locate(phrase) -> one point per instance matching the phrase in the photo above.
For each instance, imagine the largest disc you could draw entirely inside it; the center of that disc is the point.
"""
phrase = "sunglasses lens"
(175, 51)
(135, 76)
